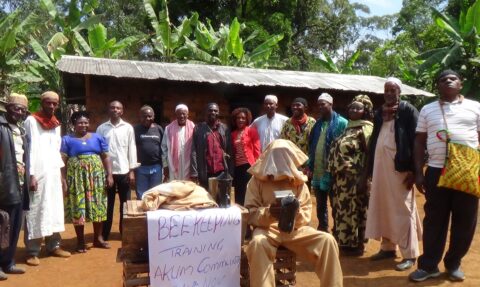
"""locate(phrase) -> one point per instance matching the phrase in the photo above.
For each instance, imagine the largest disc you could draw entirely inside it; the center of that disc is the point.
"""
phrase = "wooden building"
(94, 82)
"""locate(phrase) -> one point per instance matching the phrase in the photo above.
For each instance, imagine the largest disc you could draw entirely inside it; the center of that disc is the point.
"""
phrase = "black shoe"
(383, 255)
(14, 270)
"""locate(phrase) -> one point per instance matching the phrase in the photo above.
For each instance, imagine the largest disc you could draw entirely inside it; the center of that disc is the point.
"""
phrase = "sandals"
(103, 245)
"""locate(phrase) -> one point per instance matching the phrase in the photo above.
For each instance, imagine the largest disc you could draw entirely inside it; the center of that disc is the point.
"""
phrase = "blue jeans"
(146, 177)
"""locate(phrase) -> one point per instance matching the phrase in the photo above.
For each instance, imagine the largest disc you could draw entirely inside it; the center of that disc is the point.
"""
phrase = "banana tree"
(347, 67)
(167, 39)
(463, 54)
(14, 33)
(103, 47)
(71, 27)
(227, 47)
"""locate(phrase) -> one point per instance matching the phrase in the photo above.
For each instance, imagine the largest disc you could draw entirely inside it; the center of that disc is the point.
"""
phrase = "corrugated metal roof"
(228, 75)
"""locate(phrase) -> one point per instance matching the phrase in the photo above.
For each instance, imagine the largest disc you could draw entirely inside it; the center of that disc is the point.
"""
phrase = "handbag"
(462, 165)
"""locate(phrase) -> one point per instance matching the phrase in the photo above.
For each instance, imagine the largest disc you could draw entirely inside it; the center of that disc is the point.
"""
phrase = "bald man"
(148, 136)
(123, 155)
(177, 145)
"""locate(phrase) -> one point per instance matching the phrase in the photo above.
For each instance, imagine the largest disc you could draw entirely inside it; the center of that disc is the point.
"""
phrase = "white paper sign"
(194, 248)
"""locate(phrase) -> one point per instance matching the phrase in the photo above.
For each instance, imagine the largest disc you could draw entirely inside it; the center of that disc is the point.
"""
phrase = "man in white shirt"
(462, 119)
(177, 145)
(123, 154)
(270, 124)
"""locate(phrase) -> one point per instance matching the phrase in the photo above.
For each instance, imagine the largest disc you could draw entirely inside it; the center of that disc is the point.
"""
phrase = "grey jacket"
(10, 190)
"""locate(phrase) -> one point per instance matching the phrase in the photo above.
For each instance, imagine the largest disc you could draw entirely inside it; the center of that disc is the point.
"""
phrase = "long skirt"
(87, 197)
(350, 211)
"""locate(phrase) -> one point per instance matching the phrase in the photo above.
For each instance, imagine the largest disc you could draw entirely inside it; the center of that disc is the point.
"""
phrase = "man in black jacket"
(211, 142)
(14, 166)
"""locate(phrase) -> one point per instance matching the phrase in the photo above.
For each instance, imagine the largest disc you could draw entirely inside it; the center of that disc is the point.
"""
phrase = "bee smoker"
(224, 186)
(289, 208)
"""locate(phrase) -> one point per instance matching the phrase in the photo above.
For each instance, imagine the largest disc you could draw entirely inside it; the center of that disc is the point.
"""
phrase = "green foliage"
(463, 51)
(196, 42)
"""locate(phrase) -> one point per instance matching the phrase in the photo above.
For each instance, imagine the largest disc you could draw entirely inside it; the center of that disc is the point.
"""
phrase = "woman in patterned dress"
(87, 171)
(347, 160)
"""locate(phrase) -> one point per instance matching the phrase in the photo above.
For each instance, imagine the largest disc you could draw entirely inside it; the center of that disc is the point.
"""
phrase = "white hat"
(395, 81)
(326, 97)
(181, 107)
(273, 98)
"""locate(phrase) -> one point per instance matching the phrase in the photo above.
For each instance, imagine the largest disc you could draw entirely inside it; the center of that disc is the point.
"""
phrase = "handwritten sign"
(194, 248)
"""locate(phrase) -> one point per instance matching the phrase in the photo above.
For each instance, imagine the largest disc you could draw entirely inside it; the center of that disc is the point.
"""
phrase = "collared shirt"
(269, 128)
(121, 145)
(463, 121)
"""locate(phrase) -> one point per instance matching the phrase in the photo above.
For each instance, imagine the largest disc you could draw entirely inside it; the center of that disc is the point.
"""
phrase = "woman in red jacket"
(246, 150)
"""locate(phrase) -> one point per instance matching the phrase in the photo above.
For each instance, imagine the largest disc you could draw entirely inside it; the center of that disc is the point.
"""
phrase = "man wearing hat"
(328, 127)
(297, 128)
(177, 145)
(270, 124)
(45, 217)
(14, 179)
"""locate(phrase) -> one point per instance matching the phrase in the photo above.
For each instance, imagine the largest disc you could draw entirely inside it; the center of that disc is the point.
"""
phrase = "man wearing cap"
(45, 217)
(392, 215)
(14, 176)
(270, 124)
(148, 137)
(211, 147)
(327, 128)
(177, 145)
(123, 154)
(297, 128)
(462, 120)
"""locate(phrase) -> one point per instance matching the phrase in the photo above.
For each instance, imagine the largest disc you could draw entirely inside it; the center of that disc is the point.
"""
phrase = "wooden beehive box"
(134, 233)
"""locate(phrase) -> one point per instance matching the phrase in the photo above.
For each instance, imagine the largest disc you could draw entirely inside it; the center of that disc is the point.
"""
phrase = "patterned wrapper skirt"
(87, 197)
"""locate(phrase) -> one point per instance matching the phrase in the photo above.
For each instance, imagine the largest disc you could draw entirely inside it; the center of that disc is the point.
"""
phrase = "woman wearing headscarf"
(392, 215)
(346, 161)
(246, 150)
(276, 170)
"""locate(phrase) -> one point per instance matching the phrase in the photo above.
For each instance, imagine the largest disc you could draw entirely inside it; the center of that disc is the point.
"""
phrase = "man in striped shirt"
(462, 117)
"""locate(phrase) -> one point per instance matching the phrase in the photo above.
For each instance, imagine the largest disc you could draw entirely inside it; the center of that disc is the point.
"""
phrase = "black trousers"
(121, 184)
(7, 256)
(440, 205)
(240, 180)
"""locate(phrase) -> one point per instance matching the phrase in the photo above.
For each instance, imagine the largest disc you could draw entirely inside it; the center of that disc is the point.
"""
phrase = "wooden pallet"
(135, 274)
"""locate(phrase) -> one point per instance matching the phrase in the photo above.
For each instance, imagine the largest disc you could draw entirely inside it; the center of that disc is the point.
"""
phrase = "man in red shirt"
(211, 142)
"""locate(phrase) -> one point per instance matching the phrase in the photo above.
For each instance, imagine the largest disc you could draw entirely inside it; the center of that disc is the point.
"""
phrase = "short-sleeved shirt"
(149, 141)
(72, 146)
(463, 120)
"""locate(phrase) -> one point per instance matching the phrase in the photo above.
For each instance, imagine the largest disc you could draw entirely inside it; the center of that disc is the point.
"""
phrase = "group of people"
(364, 164)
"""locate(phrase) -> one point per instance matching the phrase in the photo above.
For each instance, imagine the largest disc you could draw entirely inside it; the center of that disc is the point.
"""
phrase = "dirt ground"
(98, 267)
